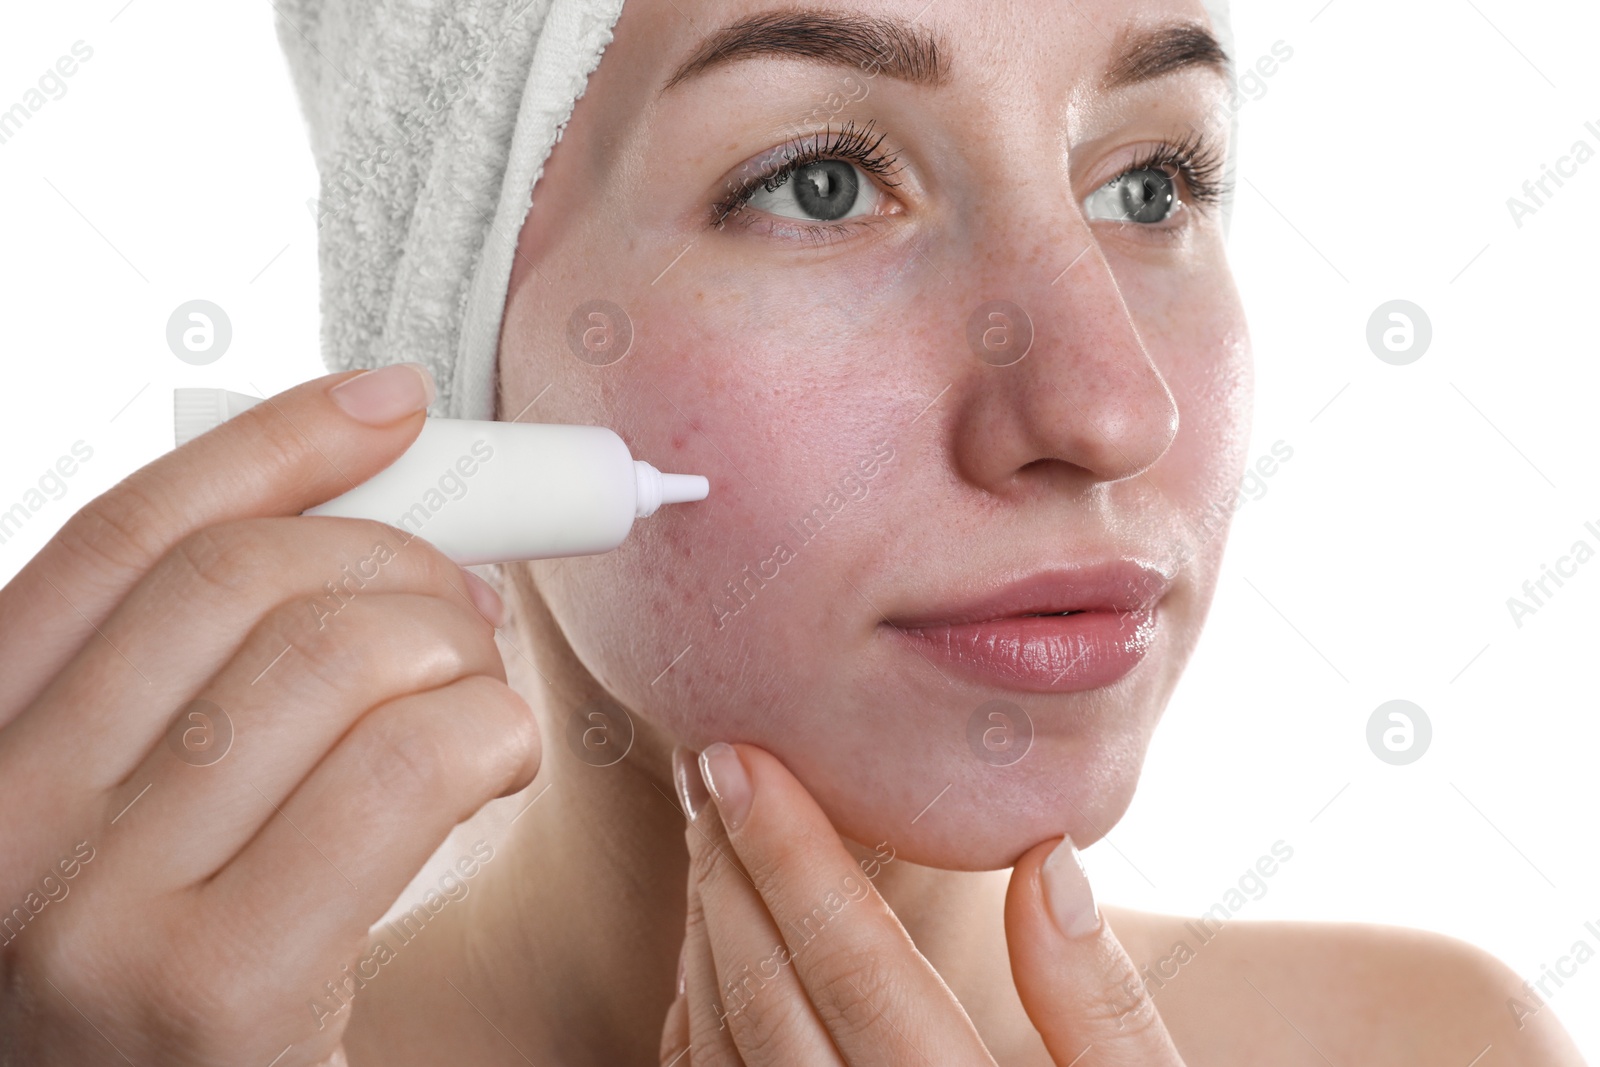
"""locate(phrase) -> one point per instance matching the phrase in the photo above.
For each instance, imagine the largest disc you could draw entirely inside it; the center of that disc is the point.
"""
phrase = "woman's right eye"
(1148, 196)
(824, 190)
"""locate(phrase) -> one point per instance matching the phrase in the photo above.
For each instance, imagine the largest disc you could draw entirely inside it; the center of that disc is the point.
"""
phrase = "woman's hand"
(791, 957)
(230, 737)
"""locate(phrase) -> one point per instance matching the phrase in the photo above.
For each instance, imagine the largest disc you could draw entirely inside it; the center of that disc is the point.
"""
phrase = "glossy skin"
(774, 364)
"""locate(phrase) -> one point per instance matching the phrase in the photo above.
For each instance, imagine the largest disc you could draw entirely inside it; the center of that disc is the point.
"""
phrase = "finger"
(675, 1028)
(93, 727)
(766, 1006)
(297, 449)
(354, 834)
(190, 615)
(1076, 981)
(198, 810)
(879, 999)
(710, 1039)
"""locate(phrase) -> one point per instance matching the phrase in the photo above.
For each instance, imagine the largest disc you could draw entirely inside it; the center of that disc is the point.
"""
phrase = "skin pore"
(776, 355)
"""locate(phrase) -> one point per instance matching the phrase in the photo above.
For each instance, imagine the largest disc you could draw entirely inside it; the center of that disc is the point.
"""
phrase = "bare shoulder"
(1313, 993)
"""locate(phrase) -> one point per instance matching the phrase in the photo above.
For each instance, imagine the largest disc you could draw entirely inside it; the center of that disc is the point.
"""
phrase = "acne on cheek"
(772, 449)
(760, 389)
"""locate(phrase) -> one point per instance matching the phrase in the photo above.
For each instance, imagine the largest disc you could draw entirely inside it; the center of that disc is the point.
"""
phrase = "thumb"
(1074, 977)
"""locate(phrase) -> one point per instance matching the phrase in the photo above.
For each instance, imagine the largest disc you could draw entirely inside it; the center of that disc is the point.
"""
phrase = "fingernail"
(692, 793)
(683, 968)
(1067, 892)
(378, 397)
(725, 776)
(485, 599)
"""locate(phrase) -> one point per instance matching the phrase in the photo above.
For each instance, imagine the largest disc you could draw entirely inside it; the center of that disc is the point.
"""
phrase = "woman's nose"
(1060, 381)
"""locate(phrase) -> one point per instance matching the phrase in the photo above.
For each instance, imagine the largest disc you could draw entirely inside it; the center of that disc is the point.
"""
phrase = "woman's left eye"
(824, 190)
(1147, 195)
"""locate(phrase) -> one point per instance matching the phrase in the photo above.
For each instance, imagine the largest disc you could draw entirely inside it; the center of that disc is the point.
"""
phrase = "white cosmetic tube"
(491, 492)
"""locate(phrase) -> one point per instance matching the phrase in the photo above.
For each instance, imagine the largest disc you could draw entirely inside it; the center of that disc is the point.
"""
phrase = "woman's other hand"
(230, 735)
(791, 957)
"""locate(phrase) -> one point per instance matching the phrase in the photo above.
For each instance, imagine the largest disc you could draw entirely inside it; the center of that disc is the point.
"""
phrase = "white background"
(1376, 164)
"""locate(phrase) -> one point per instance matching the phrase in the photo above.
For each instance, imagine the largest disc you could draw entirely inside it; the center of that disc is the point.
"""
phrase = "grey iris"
(826, 189)
(1148, 195)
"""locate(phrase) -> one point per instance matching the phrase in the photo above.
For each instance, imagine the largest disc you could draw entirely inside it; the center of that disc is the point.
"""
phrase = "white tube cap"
(194, 411)
(655, 488)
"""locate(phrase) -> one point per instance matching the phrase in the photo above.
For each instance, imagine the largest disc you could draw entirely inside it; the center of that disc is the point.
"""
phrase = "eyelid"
(1128, 156)
(815, 234)
(755, 168)
(848, 141)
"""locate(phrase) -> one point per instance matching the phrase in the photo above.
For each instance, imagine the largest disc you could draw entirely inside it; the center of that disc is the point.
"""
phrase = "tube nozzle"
(656, 488)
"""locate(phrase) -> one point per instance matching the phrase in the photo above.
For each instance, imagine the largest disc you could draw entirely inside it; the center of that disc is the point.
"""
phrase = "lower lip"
(1042, 654)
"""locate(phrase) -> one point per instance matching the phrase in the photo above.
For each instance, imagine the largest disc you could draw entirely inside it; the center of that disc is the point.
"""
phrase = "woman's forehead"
(933, 43)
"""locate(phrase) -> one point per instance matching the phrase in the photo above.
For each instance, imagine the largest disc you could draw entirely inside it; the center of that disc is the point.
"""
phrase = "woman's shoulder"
(1318, 993)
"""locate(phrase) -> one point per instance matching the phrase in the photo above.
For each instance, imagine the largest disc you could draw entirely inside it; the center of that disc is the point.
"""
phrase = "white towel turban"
(430, 123)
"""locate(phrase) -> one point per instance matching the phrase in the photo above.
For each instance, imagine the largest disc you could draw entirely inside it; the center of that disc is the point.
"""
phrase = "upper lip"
(1122, 585)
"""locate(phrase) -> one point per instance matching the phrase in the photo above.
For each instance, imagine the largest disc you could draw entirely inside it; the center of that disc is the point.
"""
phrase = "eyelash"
(848, 143)
(1194, 159)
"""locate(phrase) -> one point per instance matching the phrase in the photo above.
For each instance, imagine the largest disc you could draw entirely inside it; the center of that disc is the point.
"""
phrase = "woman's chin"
(986, 821)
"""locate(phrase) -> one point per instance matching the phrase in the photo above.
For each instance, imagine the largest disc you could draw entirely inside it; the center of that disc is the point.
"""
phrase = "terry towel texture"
(430, 123)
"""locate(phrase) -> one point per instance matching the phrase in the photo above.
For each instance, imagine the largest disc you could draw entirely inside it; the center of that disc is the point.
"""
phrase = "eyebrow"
(913, 54)
(1166, 50)
(898, 48)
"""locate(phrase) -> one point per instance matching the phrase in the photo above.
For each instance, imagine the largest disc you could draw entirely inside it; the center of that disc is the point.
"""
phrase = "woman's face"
(982, 359)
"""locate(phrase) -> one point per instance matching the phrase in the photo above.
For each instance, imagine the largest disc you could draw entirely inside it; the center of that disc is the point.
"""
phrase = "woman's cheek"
(707, 627)
(712, 614)
(1208, 368)
(1212, 385)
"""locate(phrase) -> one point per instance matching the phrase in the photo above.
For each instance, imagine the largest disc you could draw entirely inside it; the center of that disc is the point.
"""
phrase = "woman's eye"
(1145, 196)
(821, 191)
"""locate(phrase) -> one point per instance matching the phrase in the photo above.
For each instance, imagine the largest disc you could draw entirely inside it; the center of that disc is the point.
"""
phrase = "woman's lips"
(1047, 654)
(1014, 637)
